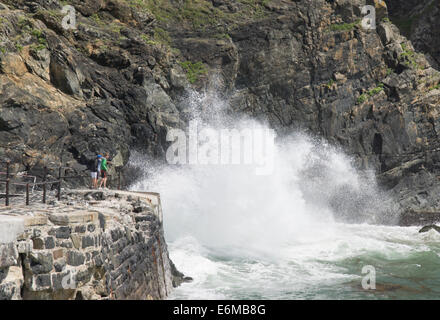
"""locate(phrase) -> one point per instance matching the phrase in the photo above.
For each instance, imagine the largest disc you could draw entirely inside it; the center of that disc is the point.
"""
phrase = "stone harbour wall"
(90, 245)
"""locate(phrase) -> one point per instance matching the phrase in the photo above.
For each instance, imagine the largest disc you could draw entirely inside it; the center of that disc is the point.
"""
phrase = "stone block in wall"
(61, 232)
(36, 233)
(83, 275)
(59, 265)
(40, 262)
(128, 234)
(63, 280)
(11, 283)
(98, 261)
(141, 206)
(8, 254)
(144, 217)
(37, 220)
(49, 243)
(115, 234)
(127, 252)
(76, 241)
(58, 253)
(66, 244)
(24, 246)
(144, 227)
(75, 258)
(122, 243)
(80, 229)
(41, 282)
(88, 241)
(98, 240)
(64, 219)
(38, 243)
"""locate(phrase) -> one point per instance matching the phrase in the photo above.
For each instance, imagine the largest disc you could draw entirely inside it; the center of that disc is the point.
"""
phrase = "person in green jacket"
(104, 170)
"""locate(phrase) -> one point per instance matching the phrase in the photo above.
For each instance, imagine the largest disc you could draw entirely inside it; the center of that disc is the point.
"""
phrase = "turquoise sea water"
(328, 266)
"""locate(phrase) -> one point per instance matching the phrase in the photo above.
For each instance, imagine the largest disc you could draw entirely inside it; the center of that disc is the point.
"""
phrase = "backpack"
(98, 164)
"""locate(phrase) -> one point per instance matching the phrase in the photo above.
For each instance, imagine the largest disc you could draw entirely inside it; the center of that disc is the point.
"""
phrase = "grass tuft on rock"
(194, 71)
(344, 26)
(365, 96)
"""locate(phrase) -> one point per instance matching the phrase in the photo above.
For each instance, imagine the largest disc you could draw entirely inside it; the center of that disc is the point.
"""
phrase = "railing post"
(27, 194)
(44, 192)
(7, 193)
(44, 184)
(59, 183)
(7, 169)
(7, 184)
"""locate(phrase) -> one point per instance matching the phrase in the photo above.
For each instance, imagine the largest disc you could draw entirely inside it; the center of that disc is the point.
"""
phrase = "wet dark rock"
(419, 218)
(430, 227)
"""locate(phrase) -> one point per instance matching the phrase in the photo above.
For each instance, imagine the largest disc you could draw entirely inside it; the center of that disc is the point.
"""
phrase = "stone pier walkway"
(93, 244)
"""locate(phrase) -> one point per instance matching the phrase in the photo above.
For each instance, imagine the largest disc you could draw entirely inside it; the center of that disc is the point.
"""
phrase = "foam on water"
(406, 263)
(277, 236)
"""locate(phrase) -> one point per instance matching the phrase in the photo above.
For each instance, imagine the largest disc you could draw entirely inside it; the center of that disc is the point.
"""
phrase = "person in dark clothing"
(93, 167)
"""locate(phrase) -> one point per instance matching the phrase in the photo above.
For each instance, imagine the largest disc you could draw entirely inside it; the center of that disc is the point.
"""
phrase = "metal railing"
(44, 184)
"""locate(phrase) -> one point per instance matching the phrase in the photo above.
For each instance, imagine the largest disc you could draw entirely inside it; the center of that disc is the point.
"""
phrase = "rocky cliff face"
(419, 21)
(115, 82)
(91, 245)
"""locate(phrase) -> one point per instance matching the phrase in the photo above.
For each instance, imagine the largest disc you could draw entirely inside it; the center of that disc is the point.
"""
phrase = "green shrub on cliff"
(364, 97)
(376, 90)
(42, 44)
(194, 70)
(408, 56)
(344, 26)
